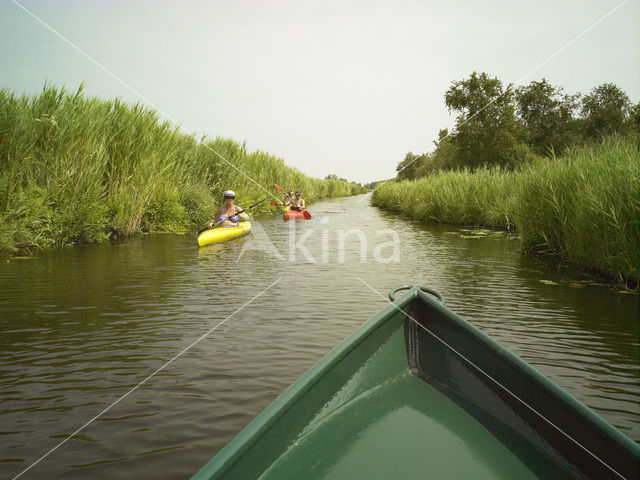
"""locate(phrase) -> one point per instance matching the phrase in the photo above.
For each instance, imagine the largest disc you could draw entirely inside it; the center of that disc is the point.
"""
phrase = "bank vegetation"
(77, 169)
(562, 171)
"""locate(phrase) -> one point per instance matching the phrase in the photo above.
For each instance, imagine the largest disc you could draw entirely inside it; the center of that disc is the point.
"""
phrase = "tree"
(487, 131)
(333, 176)
(605, 111)
(632, 124)
(547, 115)
(409, 166)
(442, 158)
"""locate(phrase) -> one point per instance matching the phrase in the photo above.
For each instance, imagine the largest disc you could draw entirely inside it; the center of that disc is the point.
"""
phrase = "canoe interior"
(417, 392)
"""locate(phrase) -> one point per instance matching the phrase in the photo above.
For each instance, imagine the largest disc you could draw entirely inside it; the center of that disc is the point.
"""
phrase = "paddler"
(228, 213)
(298, 202)
(287, 202)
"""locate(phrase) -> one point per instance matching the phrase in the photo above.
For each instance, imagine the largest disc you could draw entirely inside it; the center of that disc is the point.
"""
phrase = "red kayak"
(289, 214)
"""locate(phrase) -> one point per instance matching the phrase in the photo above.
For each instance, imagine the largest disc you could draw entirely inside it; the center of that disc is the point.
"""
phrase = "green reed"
(75, 169)
(483, 198)
(584, 206)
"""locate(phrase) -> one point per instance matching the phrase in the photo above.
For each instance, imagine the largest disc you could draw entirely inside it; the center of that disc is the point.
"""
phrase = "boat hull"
(418, 392)
(290, 214)
(223, 234)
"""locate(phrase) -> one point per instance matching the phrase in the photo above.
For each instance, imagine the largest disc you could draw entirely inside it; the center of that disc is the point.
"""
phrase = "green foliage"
(482, 198)
(489, 171)
(605, 112)
(76, 170)
(634, 117)
(408, 168)
(372, 185)
(584, 205)
(547, 115)
(355, 188)
(443, 158)
(487, 131)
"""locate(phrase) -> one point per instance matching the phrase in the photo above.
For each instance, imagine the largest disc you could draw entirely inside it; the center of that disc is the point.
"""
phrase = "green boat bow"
(418, 392)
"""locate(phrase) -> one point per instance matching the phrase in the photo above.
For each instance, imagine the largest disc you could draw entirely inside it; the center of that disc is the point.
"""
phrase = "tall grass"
(77, 169)
(584, 206)
(484, 198)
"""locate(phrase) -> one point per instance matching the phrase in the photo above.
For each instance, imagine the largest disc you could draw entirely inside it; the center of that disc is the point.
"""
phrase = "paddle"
(305, 214)
(243, 210)
(273, 203)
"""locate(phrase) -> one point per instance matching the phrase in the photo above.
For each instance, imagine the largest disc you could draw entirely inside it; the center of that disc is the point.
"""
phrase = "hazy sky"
(344, 86)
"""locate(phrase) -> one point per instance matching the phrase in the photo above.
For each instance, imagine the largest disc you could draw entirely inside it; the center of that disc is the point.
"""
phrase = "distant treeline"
(508, 127)
(372, 185)
(75, 170)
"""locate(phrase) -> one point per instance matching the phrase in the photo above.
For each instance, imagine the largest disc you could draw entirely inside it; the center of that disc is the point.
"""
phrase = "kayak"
(289, 214)
(418, 392)
(222, 234)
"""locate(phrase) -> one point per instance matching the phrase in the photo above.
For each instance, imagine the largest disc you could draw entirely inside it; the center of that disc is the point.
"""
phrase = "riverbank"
(583, 206)
(81, 170)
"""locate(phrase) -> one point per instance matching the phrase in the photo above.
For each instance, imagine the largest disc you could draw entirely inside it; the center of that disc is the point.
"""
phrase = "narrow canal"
(81, 327)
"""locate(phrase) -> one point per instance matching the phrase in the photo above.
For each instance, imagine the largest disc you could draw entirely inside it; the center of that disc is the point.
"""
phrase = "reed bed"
(75, 170)
(482, 198)
(583, 206)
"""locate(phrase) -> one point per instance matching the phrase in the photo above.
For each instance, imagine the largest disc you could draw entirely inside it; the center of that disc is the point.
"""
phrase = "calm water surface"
(81, 327)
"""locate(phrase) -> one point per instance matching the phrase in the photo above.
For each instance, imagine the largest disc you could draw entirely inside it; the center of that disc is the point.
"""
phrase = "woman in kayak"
(228, 213)
(298, 202)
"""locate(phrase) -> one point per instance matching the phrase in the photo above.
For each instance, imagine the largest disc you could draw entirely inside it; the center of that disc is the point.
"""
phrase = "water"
(81, 327)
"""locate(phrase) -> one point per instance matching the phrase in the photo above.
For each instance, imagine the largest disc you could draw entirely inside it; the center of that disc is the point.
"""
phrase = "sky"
(344, 87)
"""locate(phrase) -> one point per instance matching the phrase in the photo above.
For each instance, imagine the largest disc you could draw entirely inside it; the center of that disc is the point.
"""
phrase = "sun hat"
(229, 193)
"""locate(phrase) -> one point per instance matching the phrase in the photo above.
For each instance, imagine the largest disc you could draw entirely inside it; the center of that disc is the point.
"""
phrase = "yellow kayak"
(222, 234)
